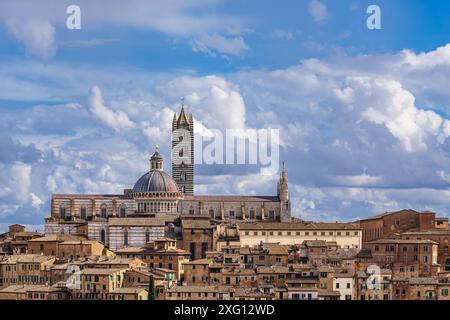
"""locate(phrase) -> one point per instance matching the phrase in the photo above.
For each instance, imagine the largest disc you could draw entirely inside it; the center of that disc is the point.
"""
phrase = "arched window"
(62, 212)
(125, 237)
(83, 213)
(103, 211)
(147, 236)
(211, 213)
(122, 211)
(252, 214)
(103, 236)
(180, 154)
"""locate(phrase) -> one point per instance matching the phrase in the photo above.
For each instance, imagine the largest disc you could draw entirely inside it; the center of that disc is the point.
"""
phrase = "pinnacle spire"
(182, 119)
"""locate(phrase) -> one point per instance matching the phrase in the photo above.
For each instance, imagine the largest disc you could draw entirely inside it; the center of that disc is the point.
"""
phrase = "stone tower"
(183, 152)
(283, 195)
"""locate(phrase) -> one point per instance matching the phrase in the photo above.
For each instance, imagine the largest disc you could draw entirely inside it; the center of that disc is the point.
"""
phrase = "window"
(231, 213)
(204, 249)
(348, 285)
(103, 236)
(272, 215)
(444, 292)
(103, 211)
(191, 210)
(125, 237)
(62, 212)
(192, 250)
(147, 236)
(211, 213)
(397, 222)
(252, 214)
(377, 248)
(122, 211)
(83, 213)
(337, 285)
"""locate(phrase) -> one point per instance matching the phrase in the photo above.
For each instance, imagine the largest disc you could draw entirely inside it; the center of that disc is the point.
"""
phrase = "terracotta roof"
(199, 261)
(402, 241)
(57, 237)
(272, 269)
(316, 243)
(297, 226)
(201, 289)
(75, 242)
(27, 234)
(429, 232)
(328, 293)
(130, 290)
(378, 216)
(195, 224)
(20, 288)
(423, 281)
(26, 258)
(101, 271)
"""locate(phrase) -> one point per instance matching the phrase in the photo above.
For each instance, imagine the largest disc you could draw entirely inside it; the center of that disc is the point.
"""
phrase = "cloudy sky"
(363, 115)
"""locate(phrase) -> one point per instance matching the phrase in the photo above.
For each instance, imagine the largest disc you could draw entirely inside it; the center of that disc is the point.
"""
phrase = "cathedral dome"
(155, 181)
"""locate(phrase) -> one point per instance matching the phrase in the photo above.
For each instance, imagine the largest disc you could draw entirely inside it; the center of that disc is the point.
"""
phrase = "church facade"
(152, 209)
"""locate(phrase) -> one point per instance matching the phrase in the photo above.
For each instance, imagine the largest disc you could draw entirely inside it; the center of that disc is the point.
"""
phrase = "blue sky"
(363, 115)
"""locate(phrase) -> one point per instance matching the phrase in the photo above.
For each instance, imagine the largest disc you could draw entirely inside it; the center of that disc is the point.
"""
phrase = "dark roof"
(365, 253)
(232, 198)
(155, 181)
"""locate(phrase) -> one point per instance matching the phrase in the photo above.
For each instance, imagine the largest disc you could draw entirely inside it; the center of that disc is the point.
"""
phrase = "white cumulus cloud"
(318, 10)
(37, 35)
(118, 120)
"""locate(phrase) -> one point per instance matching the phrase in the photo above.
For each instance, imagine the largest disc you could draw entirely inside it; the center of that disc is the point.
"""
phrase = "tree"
(151, 289)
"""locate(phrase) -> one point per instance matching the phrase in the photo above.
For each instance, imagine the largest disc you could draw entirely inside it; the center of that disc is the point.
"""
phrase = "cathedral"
(155, 207)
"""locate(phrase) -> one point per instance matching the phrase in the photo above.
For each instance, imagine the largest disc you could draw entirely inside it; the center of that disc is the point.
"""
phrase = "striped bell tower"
(183, 151)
